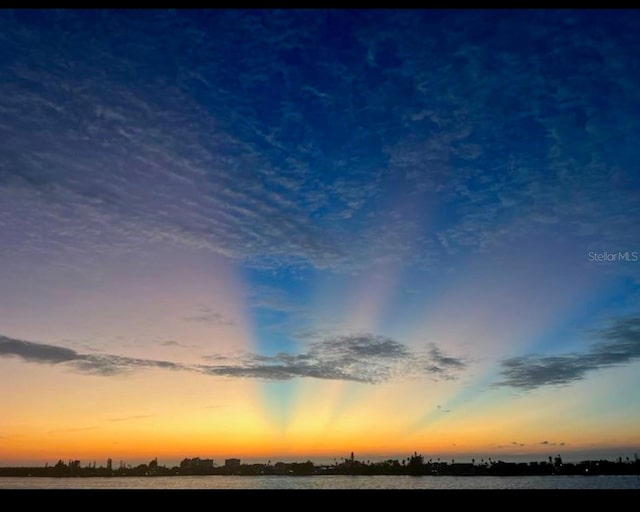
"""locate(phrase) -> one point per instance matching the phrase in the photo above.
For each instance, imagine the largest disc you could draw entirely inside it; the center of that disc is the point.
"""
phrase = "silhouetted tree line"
(413, 465)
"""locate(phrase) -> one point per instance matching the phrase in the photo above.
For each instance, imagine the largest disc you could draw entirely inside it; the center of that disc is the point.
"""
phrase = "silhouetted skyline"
(415, 464)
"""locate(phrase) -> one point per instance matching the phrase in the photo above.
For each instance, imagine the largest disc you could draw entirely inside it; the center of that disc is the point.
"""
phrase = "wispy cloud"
(619, 344)
(70, 430)
(512, 444)
(274, 299)
(131, 418)
(359, 358)
(208, 316)
(438, 363)
(174, 343)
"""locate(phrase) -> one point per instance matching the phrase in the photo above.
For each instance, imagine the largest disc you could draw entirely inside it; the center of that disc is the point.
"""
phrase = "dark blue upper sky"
(315, 132)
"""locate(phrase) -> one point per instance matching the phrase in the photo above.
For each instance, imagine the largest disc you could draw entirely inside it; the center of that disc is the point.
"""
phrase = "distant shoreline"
(301, 476)
(412, 466)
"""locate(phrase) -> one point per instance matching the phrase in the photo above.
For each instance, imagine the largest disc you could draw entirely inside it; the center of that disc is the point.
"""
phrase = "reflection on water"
(327, 482)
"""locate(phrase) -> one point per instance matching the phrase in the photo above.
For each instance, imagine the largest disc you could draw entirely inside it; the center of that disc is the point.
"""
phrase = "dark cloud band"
(359, 358)
(619, 344)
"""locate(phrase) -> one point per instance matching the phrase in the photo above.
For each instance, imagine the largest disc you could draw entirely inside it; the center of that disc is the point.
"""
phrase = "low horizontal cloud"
(512, 444)
(618, 344)
(131, 418)
(210, 317)
(360, 358)
(36, 352)
(104, 364)
(71, 430)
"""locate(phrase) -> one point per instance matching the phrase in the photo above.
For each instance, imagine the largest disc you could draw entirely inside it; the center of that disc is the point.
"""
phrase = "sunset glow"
(293, 235)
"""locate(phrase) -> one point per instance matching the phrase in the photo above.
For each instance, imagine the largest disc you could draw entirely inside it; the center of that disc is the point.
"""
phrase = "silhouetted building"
(197, 464)
(231, 463)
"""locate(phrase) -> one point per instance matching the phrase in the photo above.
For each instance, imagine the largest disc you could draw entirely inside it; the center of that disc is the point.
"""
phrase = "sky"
(290, 235)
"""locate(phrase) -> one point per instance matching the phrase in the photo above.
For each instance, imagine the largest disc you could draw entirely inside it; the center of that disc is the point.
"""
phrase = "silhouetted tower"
(352, 458)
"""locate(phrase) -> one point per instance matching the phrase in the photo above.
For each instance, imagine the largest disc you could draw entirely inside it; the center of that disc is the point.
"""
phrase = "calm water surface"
(326, 482)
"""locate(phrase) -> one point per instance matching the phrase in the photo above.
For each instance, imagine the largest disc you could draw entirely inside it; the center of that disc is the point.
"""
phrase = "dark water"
(327, 482)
